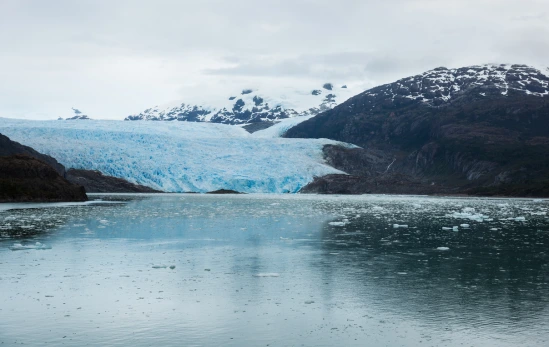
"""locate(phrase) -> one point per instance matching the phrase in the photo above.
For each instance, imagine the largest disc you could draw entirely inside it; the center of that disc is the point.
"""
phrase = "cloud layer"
(112, 58)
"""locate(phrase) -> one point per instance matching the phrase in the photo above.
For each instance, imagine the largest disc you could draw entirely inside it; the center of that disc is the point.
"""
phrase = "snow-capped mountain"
(78, 115)
(493, 89)
(441, 85)
(251, 106)
(484, 125)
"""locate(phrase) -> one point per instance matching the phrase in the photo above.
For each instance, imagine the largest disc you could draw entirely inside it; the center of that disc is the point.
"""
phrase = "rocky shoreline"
(29, 176)
(96, 182)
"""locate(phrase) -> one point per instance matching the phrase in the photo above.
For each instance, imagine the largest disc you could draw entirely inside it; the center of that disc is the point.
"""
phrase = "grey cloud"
(322, 65)
(112, 57)
(366, 66)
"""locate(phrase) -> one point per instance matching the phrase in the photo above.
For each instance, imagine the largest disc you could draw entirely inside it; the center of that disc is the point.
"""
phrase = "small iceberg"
(267, 274)
(400, 226)
(443, 249)
(454, 228)
(37, 246)
(338, 224)
(468, 213)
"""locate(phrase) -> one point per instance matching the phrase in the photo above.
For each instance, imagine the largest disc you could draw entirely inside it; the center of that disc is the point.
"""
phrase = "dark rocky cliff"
(27, 179)
(25, 184)
(9, 147)
(96, 182)
(476, 130)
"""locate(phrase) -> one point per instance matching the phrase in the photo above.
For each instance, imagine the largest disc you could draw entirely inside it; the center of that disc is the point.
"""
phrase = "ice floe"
(37, 246)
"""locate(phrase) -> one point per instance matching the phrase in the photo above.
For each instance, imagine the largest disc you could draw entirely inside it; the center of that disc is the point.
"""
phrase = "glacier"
(179, 156)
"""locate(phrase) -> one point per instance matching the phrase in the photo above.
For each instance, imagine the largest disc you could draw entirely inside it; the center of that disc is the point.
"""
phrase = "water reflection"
(486, 276)
(277, 270)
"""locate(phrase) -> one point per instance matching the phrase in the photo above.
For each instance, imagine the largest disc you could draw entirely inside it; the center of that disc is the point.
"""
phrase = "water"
(279, 270)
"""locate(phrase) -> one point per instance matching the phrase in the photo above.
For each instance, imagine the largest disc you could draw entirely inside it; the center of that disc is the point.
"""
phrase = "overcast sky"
(113, 58)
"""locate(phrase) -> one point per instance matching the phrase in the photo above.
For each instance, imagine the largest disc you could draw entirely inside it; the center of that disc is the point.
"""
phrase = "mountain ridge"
(479, 128)
(251, 106)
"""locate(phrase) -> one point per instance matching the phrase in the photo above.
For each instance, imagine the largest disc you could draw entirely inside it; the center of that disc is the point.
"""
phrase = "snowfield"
(281, 127)
(178, 156)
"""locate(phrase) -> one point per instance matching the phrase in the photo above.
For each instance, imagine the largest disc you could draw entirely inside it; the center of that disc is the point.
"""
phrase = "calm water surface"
(256, 270)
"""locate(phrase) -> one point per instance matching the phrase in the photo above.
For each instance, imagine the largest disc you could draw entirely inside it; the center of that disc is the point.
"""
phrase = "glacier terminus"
(180, 156)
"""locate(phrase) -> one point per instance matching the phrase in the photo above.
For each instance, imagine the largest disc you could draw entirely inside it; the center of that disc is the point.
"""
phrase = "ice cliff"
(179, 156)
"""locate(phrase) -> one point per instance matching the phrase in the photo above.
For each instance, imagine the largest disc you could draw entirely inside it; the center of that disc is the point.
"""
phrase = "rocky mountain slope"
(78, 115)
(479, 129)
(92, 181)
(251, 106)
(95, 182)
(27, 179)
(9, 148)
(29, 176)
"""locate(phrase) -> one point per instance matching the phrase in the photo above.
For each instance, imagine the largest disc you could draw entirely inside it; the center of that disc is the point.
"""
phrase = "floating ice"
(443, 249)
(37, 246)
(400, 226)
(338, 224)
(465, 226)
(471, 216)
(454, 228)
(267, 274)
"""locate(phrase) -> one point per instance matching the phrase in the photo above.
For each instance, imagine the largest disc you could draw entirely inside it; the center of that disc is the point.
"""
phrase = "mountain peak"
(439, 86)
(252, 106)
(77, 115)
